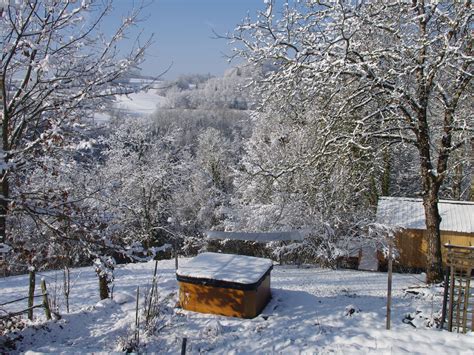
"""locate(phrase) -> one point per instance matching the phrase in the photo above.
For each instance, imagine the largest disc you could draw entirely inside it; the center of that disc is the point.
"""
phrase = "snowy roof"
(256, 236)
(408, 213)
(226, 267)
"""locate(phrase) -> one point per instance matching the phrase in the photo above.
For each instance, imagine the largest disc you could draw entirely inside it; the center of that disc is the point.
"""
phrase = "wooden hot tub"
(225, 284)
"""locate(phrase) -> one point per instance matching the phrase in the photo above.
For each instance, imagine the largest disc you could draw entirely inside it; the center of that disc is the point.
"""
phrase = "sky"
(183, 33)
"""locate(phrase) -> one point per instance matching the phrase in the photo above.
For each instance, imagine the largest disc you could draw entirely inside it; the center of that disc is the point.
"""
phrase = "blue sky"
(183, 30)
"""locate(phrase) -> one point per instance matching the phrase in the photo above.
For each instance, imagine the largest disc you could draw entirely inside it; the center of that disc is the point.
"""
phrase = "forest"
(305, 135)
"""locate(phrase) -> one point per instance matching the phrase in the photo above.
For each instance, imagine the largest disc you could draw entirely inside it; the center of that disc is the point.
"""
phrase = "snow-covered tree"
(213, 177)
(281, 188)
(56, 69)
(200, 92)
(377, 71)
(140, 175)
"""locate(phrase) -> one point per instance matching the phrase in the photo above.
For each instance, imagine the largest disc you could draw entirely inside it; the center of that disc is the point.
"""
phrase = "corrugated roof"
(456, 216)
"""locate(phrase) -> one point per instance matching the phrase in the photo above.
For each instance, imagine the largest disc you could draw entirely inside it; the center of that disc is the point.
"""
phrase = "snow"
(137, 104)
(4, 248)
(226, 267)
(313, 310)
(256, 236)
(368, 260)
(142, 103)
(409, 213)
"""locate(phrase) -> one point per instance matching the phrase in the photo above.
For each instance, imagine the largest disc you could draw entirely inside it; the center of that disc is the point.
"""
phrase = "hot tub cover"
(232, 268)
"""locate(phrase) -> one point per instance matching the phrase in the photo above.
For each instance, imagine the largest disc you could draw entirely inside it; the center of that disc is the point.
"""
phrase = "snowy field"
(141, 103)
(138, 104)
(312, 311)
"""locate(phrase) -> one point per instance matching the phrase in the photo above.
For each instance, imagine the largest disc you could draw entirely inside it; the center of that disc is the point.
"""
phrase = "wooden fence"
(30, 298)
(458, 301)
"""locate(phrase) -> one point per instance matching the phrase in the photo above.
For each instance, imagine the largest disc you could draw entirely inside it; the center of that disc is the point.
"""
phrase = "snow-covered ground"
(312, 311)
(142, 103)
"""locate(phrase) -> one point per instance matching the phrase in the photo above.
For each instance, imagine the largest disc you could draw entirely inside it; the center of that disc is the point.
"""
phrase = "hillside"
(312, 310)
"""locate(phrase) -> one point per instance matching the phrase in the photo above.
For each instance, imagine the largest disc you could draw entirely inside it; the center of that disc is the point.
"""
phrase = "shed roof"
(256, 236)
(226, 267)
(408, 213)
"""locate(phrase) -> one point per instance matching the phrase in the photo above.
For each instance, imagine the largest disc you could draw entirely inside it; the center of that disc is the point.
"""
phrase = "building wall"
(412, 246)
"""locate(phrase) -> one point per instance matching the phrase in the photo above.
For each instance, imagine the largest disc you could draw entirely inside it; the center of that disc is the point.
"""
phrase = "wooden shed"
(225, 284)
(457, 226)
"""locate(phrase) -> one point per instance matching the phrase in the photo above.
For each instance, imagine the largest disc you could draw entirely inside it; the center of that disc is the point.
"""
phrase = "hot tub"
(225, 284)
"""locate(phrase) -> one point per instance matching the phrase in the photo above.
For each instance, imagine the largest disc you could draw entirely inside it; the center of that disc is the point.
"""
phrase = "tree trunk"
(3, 207)
(386, 173)
(457, 182)
(434, 267)
(3, 219)
(472, 170)
(431, 181)
(5, 190)
(103, 287)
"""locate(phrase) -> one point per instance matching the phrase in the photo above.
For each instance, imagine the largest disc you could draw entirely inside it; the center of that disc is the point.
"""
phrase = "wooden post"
(67, 286)
(183, 346)
(152, 292)
(31, 292)
(175, 254)
(445, 298)
(458, 300)
(156, 269)
(47, 311)
(467, 291)
(137, 335)
(451, 299)
(389, 286)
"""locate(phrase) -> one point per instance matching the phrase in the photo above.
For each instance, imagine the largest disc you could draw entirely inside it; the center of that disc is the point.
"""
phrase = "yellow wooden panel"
(412, 249)
(224, 301)
(462, 239)
(208, 299)
(413, 246)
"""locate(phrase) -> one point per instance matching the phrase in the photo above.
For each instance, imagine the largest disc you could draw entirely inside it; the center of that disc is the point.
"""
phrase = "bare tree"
(378, 72)
(56, 69)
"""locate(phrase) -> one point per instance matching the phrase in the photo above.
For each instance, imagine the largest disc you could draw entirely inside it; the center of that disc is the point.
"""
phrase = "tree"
(56, 69)
(212, 181)
(282, 186)
(140, 176)
(389, 72)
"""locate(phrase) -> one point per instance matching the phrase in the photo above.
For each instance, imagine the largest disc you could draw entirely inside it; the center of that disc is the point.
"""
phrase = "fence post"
(31, 291)
(67, 286)
(389, 286)
(175, 246)
(445, 297)
(47, 311)
(183, 346)
(137, 324)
